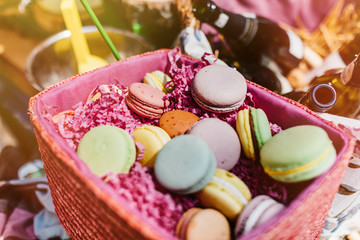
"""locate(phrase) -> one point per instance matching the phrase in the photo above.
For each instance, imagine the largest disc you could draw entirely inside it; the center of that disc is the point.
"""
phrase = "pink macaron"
(222, 140)
(258, 211)
(219, 88)
(146, 101)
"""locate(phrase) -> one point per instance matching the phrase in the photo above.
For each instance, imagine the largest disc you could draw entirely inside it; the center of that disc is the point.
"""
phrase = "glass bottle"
(262, 76)
(319, 98)
(253, 38)
(346, 83)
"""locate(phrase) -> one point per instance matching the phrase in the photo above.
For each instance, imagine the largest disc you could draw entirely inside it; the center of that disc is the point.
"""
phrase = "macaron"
(146, 101)
(254, 130)
(226, 193)
(219, 88)
(258, 211)
(107, 148)
(185, 164)
(297, 154)
(153, 138)
(177, 122)
(222, 140)
(197, 223)
(159, 80)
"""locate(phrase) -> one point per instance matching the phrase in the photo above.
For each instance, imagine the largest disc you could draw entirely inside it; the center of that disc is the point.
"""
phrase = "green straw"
(100, 28)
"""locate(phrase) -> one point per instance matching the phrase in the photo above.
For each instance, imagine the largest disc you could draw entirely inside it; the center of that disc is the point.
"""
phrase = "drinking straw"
(101, 29)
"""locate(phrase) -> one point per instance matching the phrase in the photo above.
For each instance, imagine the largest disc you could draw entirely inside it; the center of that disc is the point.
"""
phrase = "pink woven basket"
(90, 209)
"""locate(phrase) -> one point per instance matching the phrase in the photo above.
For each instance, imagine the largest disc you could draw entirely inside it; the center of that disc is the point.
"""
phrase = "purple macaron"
(258, 211)
(219, 88)
(222, 140)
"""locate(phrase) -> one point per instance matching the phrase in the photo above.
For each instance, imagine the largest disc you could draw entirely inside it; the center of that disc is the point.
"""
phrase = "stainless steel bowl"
(53, 60)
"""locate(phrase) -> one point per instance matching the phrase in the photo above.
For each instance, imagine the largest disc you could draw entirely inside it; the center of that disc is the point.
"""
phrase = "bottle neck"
(320, 98)
(228, 23)
(206, 11)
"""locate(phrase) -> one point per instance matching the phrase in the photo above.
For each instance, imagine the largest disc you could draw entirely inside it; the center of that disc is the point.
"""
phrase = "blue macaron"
(185, 164)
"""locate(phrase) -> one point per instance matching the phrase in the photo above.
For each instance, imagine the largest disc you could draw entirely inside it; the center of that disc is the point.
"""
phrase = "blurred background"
(35, 50)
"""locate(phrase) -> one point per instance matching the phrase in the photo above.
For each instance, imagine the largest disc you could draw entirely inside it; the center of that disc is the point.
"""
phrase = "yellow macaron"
(153, 138)
(226, 193)
(158, 79)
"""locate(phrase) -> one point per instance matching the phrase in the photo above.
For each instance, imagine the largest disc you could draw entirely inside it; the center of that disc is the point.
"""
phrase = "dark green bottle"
(253, 39)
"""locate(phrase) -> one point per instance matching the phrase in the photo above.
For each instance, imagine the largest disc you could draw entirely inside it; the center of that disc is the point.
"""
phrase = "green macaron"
(297, 154)
(253, 128)
(261, 126)
(107, 148)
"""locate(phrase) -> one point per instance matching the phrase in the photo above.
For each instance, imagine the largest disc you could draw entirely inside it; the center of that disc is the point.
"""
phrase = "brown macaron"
(177, 122)
(208, 223)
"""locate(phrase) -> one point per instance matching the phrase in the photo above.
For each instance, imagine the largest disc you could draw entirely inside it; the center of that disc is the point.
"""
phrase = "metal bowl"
(53, 60)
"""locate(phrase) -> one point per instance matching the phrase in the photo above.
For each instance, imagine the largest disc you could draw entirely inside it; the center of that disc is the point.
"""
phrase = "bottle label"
(249, 15)
(249, 32)
(296, 47)
(222, 20)
(346, 74)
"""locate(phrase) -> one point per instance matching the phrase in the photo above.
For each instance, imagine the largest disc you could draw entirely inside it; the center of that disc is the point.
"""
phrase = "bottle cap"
(324, 95)
(320, 98)
(205, 10)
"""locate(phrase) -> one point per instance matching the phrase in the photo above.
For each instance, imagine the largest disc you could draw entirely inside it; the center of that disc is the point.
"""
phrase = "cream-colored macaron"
(158, 79)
